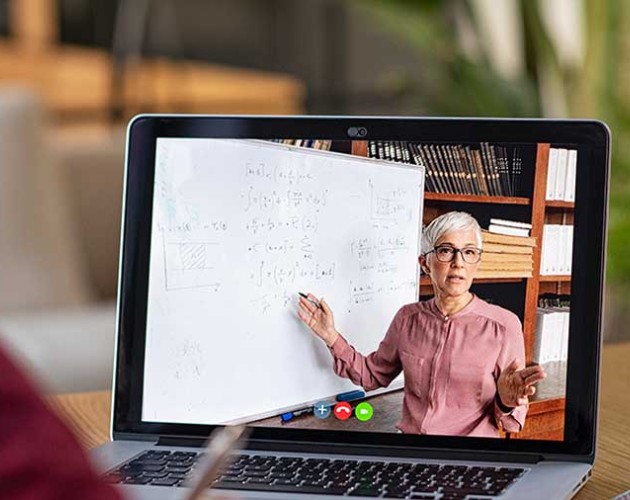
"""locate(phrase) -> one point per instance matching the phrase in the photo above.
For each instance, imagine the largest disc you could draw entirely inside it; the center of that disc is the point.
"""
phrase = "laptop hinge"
(185, 442)
(279, 446)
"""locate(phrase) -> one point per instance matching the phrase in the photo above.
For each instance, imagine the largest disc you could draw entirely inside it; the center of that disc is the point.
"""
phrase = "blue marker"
(290, 415)
(349, 396)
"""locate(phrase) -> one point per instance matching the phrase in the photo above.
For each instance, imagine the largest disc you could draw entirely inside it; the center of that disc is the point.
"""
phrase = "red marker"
(343, 410)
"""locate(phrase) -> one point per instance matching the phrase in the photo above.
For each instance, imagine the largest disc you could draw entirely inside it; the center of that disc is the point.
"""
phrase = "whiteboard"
(239, 227)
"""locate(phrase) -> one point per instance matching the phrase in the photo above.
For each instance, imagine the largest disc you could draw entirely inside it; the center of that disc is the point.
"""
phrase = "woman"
(463, 359)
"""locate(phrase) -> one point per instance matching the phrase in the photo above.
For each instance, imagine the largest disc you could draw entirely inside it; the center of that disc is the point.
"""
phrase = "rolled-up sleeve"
(375, 370)
(513, 348)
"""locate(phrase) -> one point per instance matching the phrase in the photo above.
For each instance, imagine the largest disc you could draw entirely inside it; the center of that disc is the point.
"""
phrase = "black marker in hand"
(314, 302)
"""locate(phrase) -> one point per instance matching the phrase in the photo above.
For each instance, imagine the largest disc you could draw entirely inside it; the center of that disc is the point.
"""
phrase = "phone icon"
(343, 410)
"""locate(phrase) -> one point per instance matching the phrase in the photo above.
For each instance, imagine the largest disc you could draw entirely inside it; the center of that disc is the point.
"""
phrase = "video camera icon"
(364, 411)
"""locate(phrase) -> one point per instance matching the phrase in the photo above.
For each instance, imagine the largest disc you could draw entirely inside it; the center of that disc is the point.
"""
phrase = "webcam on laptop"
(357, 132)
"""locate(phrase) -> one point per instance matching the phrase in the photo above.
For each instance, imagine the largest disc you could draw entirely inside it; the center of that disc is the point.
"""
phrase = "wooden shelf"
(558, 278)
(559, 204)
(470, 198)
(555, 287)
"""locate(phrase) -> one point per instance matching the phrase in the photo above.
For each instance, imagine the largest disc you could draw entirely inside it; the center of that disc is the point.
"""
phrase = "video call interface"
(370, 286)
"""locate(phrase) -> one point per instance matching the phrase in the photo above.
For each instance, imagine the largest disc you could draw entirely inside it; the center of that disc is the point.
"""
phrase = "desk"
(88, 415)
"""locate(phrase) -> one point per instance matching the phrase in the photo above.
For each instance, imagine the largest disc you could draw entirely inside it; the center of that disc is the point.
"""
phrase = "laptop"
(243, 235)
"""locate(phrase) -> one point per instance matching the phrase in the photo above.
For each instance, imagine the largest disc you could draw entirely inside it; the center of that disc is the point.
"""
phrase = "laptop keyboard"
(325, 476)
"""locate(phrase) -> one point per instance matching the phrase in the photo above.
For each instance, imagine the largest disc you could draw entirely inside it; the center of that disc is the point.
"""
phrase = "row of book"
(561, 174)
(486, 170)
(557, 250)
(323, 145)
(552, 330)
(506, 255)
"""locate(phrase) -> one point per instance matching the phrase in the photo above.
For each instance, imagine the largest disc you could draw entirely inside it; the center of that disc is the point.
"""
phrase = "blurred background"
(72, 72)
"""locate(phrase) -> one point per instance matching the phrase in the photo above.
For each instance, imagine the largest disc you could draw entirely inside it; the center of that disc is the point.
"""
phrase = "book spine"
(561, 174)
(569, 193)
(457, 173)
(473, 169)
(442, 173)
(485, 161)
(450, 177)
(481, 175)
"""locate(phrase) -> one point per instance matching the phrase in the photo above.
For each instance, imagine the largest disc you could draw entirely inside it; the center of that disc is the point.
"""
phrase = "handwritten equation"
(364, 248)
(265, 200)
(274, 274)
(278, 173)
(364, 293)
(267, 225)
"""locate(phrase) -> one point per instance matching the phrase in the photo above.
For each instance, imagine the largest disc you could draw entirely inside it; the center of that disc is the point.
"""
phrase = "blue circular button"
(322, 410)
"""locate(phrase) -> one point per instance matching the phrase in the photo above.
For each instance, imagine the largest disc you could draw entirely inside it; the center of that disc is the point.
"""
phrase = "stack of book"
(506, 256)
(509, 227)
(483, 169)
(557, 250)
(552, 330)
(561, 174)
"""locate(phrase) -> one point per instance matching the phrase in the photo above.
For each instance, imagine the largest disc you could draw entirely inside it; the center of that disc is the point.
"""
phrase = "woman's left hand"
(515, 386)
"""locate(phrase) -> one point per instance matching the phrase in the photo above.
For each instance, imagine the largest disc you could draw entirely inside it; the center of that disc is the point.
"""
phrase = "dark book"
(467, 152)
(417, 159)
(372, 153)
(438, 175)
(486, 169)
(497, 171)
(471, 174)
(516, 169)
(492, 170)
(443, 171)
(461, 174)
(439, 161)
(453, 169)
(481, 174)
(405, 150)
(380, 150)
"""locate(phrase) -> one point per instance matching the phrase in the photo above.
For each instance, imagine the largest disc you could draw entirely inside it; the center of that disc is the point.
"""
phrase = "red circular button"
(343, 410)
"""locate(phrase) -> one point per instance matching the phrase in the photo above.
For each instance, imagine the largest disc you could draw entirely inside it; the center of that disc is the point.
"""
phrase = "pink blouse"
(451, 367)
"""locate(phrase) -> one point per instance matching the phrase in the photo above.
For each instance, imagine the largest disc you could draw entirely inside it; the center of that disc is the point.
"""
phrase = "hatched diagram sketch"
(190, 264)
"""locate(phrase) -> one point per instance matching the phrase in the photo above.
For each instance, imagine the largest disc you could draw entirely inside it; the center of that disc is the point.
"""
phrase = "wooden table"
(88, 415)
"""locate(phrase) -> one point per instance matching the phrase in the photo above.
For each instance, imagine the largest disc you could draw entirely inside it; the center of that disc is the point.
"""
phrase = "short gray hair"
(447, 223)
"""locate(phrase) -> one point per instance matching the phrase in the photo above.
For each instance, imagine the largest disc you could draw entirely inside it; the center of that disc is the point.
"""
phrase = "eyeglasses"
(470, 255)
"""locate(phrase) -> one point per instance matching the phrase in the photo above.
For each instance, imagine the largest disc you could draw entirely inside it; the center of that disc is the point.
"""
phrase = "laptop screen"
(416, 287)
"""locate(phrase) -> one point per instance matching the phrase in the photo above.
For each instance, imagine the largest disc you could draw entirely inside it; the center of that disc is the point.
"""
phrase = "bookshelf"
(520, 295)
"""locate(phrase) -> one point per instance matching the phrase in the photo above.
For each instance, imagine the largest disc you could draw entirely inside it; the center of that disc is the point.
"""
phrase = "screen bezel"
(593, 140)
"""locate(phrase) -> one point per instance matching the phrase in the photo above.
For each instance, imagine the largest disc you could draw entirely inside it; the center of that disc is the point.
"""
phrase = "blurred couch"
(60, 203)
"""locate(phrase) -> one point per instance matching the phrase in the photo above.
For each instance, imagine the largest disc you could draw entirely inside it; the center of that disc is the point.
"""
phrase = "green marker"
(364, 411)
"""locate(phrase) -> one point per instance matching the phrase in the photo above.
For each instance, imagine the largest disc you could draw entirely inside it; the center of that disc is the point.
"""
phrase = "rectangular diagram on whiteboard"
(189, 264)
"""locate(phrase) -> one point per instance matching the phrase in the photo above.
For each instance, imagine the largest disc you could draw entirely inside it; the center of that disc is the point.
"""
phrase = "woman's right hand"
(318, 317)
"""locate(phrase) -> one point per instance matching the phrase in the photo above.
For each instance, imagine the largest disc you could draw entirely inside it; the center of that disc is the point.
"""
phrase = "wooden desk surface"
(88, 415)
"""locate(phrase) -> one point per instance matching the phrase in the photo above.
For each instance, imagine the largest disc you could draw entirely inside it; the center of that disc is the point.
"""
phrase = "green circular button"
(364, 412)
